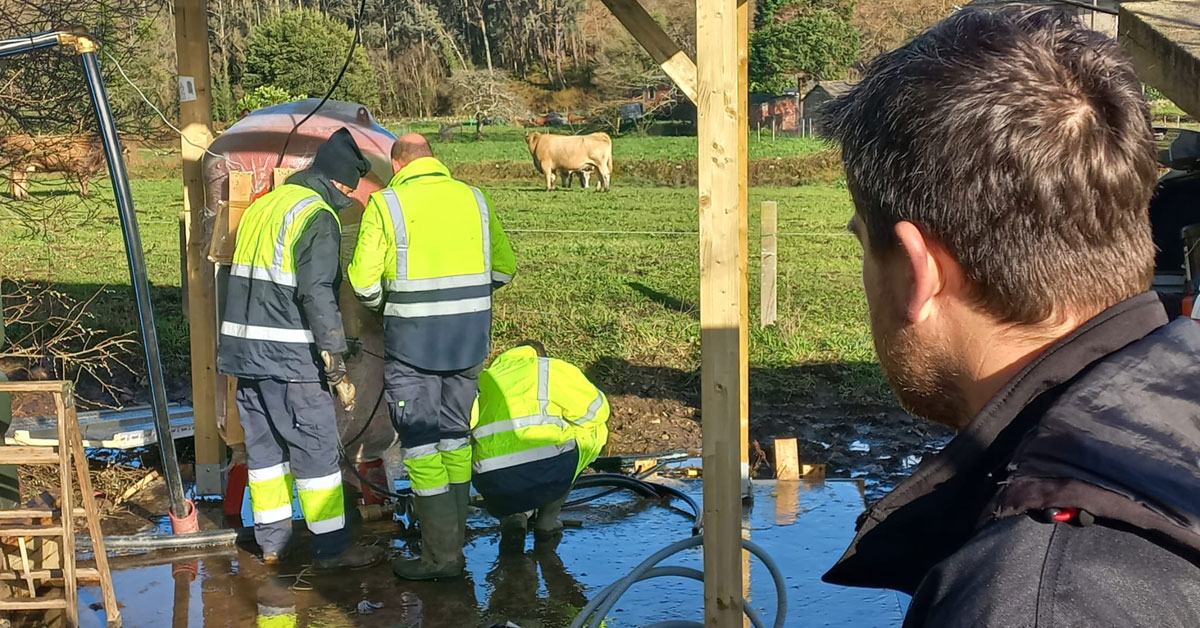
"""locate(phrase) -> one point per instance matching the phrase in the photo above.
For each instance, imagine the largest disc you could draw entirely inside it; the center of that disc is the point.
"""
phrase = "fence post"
(767, 282)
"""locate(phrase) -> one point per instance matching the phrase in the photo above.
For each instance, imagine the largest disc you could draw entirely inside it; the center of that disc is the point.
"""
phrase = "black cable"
(336, 81)
(370, 419)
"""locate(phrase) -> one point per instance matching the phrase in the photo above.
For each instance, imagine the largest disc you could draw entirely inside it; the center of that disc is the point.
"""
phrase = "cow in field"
(572, 153)
(79, 155)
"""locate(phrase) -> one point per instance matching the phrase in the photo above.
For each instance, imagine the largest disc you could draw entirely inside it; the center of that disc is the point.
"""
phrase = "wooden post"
(787, 459)
(721, 177)
(767, 283)
(743, 235)
(195, 119)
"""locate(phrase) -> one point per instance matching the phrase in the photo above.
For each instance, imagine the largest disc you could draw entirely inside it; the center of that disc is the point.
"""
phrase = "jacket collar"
(420, 167)
(935, 511)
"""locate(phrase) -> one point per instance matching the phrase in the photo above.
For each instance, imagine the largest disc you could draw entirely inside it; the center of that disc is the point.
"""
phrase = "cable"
(336, 81)
(596, 611)
(167, 122)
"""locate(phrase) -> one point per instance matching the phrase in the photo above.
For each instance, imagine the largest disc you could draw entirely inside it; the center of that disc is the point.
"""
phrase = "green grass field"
(607, 281)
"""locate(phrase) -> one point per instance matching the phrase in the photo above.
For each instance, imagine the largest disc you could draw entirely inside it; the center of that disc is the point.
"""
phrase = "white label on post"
(187, 89)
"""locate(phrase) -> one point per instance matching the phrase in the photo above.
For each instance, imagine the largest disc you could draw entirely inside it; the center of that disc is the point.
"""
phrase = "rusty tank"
(254, 144)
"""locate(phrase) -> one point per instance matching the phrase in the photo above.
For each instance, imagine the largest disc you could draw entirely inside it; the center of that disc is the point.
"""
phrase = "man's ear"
(925, 268)
(397, 165)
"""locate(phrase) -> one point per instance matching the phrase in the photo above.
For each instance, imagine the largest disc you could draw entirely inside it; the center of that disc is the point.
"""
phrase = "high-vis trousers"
(431, 411)
(291, 432)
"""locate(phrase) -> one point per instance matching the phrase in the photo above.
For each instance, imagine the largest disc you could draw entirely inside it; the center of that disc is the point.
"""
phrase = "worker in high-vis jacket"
(430, 252)
(282, 337)
(539, 422)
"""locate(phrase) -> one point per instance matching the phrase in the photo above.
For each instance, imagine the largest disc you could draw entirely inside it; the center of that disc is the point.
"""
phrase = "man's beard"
(922, 374)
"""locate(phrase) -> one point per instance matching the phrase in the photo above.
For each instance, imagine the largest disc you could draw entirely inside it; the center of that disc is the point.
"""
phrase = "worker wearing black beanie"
(335, 170)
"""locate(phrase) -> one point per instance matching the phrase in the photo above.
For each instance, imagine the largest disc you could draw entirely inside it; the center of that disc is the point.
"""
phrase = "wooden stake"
(67, 503)
(743, 243)
(767, 282)
(720, 108)
(787, 459)
(195, 118)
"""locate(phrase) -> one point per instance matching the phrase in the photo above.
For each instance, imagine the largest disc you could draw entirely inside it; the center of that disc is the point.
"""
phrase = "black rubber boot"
(441, 540)
(354, 557)
(513, 529)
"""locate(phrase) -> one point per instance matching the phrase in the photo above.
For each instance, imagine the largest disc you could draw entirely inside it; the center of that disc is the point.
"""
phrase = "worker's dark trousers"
(291, 430)
(431, 411)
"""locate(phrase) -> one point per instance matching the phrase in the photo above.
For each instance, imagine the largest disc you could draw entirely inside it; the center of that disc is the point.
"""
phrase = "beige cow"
(78, 155)
(579, 153)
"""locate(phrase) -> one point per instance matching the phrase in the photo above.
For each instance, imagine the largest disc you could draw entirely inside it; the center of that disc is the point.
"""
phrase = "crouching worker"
(282, 337)
(540, 422)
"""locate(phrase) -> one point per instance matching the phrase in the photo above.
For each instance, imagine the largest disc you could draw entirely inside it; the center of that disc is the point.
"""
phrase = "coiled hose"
(593, 615)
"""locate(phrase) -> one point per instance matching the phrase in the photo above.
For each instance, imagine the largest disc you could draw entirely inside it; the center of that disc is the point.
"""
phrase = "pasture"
(607, 281)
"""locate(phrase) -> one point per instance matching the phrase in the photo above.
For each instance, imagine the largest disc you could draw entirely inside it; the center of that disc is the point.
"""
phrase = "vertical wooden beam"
(195, 119)
(743, 168)
(768, 283)
(720, 108)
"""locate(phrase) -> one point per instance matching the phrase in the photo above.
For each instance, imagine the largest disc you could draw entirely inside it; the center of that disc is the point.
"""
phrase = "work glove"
(335, 374)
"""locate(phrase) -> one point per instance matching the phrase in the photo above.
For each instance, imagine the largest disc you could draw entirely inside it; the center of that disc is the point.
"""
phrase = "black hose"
(207, 538)
(641, 487)
(336, 81)
(141, 285)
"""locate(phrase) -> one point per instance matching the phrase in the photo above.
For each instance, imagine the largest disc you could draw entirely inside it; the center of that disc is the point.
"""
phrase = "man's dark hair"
(1021, 141)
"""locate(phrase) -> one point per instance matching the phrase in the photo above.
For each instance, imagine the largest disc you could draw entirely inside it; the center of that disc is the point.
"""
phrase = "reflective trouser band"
(426, 471)
(287, 620)
(456, 457)
(271, 493)
(521, 457)
(321, 501)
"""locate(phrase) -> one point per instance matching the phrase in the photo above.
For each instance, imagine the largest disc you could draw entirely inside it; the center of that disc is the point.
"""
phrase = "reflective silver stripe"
(371, 296)
(419, 451)
(430, 492)
(287, 222)
(597, 403)
(501, 277)
(273, 275)
(508, 425)
(544, 384)
(269, 473)
(438, 308)
(522, 457)
(450, 444)
(438, 283)
(484, 218)
(274, 334)
(331, 524)
(399, 228)
(333, 480)
(273, 514)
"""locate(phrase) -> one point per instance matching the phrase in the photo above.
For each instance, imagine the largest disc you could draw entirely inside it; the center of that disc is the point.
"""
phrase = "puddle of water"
(805, 527)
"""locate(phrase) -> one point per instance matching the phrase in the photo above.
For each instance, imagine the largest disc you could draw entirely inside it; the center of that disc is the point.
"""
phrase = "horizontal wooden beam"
(673, 60)
(1163, 38)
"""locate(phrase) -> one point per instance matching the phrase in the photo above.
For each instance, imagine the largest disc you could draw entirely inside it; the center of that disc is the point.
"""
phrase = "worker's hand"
(335, 374)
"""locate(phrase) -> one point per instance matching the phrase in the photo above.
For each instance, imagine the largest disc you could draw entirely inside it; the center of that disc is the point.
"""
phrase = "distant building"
(780, 112)
(821, 93)
(1102, 22)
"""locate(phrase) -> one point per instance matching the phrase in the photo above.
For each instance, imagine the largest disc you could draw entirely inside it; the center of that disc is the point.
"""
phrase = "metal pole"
(137, 276)
(17, 45)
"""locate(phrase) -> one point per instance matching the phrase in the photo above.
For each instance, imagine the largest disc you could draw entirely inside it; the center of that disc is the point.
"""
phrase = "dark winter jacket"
(1106, 421)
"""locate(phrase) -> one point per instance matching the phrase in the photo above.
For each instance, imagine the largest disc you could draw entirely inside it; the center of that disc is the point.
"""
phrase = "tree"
(301, 51)
(483, 96)
(806, 38)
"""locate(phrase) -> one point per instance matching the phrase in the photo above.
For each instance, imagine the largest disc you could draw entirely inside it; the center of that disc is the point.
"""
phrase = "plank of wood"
(280, 175)
(109, 595)
(42, 386)
(722, 315)
(23, 531)
(195, 117)
(743, 243)
(35, 513)
(241, 190)
(668, 54)
(36, 605)
(768, 283)
(82, 574)
(787, 459)
(29, 455)
(67, 499)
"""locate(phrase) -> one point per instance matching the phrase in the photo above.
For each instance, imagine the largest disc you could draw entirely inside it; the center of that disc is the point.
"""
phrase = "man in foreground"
(282, 337)
(430, 252)
(540, 423)
(1001, 167)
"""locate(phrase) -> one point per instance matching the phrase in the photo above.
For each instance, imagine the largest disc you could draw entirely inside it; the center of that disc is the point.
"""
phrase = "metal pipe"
(17, 45)
(137, 274)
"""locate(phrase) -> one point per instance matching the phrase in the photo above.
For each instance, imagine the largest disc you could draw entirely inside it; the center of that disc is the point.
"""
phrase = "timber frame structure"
(716, 81)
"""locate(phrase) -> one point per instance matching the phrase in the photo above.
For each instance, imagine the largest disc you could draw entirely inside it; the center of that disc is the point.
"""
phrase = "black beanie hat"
(340, 159)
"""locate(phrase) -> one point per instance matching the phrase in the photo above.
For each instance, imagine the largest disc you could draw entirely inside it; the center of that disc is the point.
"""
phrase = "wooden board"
(722, 303)
(195, 118)
(787, 459)
(668, 54)
(768, 286)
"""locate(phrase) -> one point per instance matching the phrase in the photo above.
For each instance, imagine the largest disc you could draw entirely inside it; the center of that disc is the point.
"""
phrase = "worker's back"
(426, 240)
(540, 422)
